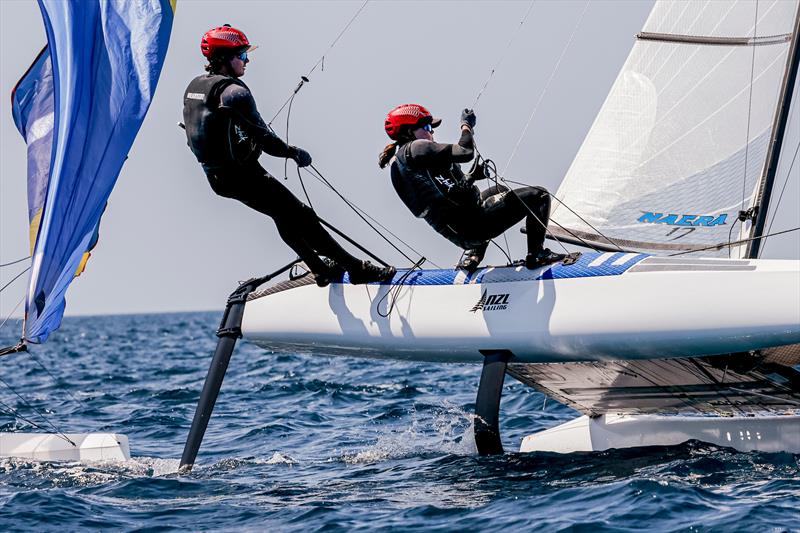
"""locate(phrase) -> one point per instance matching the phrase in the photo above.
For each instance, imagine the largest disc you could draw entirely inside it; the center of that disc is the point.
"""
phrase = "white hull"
(659, 308)
(53, 447)
(584, 434)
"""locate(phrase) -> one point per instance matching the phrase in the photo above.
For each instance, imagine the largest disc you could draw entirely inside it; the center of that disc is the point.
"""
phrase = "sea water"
(306, 443)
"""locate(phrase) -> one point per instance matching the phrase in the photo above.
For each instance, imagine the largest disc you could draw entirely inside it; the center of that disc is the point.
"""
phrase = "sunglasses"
(428, 128)
(242, 55)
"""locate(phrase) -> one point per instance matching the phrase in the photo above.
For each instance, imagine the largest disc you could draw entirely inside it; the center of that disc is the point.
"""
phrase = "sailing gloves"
(468, 118)
(301, 157)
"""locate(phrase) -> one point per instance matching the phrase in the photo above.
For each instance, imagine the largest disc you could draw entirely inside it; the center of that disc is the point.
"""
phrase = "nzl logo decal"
(491, 302)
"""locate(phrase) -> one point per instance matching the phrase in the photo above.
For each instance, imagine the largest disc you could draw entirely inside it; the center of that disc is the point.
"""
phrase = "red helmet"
(223, 39)
(407, 116)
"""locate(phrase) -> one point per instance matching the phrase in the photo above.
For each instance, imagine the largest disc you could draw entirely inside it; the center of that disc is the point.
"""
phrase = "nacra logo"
(672, 219)
(491, 302)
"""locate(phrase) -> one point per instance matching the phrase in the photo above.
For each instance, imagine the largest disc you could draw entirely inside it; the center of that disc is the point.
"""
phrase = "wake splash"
(449, 430)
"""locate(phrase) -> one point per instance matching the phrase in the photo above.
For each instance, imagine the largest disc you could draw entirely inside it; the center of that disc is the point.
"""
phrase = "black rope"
(13, 412)
(15, 262)
(345, 200)
(320, 61)
(585, 243)
(14, 279)
(35, 410)
(55, 381)
(395, 290)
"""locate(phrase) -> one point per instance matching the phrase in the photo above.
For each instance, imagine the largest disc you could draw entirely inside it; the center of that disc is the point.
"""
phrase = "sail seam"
(715, 41)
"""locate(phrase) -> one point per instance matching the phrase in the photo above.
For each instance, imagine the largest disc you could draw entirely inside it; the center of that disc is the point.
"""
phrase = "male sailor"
(427, 177)
(227, 135)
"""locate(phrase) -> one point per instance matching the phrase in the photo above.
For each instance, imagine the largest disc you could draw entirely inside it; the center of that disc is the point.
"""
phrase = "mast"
(781, 119)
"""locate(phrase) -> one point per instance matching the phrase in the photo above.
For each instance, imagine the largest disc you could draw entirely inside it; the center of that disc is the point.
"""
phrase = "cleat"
(369, 273)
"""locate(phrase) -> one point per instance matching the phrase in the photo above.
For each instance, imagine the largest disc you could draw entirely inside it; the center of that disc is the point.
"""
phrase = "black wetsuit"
(427, 177)
(227, 135)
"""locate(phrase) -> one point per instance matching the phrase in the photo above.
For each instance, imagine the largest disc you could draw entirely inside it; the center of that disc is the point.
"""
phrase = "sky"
(167, 243)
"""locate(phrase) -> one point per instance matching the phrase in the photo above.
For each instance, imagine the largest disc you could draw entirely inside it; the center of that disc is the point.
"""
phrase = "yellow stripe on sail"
(173, 4)
(34, 228)
(82, 264)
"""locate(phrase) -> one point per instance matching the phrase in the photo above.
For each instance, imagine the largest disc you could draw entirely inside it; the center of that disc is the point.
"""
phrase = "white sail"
(680, 144)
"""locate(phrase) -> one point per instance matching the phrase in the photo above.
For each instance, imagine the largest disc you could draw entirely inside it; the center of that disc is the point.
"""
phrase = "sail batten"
(681, 143)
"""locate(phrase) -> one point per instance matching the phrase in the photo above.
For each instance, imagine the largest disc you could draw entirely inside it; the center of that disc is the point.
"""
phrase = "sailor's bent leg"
(487, 404)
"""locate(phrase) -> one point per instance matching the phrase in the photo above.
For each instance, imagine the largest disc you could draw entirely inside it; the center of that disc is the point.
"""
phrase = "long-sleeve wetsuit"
(429, 180)
(227, 134)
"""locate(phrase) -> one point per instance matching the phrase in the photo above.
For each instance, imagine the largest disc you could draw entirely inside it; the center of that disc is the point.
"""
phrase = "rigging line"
(508, 257)
(730, 236)
(345, 200)
(321, 60)
(38, 412)
(387, 230)
(503, 55)
(585, 243)
(491, 168)
(547, 85)
(734, 243)
(749, 114)
(55, 380)
(394, 292)
(15, 262)
(12, 312)
(13, 412)
(14, 279)
(536, 217)
(783, 189)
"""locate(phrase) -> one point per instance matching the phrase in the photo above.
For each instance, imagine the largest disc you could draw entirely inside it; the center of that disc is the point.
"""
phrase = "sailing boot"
(472, 258)
(366, 272)
(542, 258)
(332, 272)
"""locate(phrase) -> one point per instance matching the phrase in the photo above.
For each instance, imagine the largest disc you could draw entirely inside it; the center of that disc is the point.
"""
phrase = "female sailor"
(430, 182)
(227, 135)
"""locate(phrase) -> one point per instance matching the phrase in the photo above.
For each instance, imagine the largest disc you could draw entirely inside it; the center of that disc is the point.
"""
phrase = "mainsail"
(79, 108)
(680, 145)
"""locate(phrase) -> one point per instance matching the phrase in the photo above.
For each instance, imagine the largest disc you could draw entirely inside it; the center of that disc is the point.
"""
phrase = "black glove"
(301, 157)
(478, 171)
(468, 118)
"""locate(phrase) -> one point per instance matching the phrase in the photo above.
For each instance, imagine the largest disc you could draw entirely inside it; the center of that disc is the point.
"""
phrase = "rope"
(12, 312)
(734, 243)
(35, 410)
(320, 61)
(14, 279)
(395, 290)
(55, 381)
(346, 201)
(584, 242)
(749, 112)
(783, 189)
(15, 262)
(503, 55)
(547, 85)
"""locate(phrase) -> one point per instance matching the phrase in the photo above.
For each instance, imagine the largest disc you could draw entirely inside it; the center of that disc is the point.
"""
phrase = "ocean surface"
(302, 443)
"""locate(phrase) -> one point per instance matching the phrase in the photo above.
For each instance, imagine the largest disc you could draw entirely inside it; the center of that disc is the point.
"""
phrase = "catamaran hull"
(775, 433)
(83, 447)
(604, 307)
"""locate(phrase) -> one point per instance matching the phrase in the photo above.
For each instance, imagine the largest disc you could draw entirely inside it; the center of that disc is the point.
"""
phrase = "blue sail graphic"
(79, 108)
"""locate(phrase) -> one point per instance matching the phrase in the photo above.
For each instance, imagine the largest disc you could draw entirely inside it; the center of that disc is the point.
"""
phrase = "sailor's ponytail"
(387, 154)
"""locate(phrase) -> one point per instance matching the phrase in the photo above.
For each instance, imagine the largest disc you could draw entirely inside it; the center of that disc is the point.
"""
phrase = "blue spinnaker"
(79, 108)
